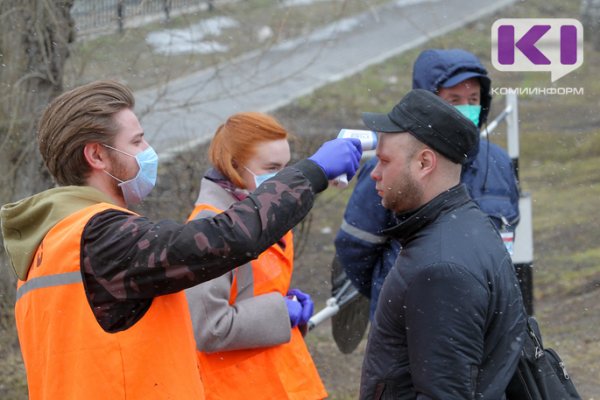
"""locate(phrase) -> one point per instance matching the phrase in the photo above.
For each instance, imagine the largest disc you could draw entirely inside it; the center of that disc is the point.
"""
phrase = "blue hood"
(435, 67)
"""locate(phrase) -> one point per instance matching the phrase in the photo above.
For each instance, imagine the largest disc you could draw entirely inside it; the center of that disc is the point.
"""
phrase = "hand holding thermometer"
(368, 140)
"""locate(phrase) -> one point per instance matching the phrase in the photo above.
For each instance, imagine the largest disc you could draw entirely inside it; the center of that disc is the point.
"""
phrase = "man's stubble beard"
(407, 197)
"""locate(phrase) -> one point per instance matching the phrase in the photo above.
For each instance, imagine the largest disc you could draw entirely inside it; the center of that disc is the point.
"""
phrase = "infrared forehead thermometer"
(368, 141)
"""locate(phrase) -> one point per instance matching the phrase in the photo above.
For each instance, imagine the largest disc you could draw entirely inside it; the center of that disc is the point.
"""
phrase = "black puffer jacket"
(450, 314)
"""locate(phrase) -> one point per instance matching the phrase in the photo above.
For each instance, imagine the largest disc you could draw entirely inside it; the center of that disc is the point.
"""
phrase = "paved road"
(192, 107)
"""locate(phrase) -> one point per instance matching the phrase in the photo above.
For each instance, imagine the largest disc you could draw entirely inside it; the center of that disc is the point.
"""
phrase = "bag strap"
(537, 341)
(535, 334)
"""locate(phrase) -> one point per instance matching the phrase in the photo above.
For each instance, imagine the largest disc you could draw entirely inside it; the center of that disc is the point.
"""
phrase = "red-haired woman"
(247, 322)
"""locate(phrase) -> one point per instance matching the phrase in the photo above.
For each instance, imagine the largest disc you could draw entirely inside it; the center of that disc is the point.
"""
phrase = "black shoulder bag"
(540, 374)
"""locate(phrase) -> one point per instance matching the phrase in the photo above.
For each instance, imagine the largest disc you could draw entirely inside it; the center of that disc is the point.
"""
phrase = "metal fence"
(100, 16)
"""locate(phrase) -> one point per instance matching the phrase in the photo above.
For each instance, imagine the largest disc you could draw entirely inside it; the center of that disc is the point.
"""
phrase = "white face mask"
(136, 189)
(258, 179)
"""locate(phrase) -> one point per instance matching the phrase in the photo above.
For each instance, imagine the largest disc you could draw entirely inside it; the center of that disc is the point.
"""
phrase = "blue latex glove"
(307, 305)
(294, 310)
(338, 157)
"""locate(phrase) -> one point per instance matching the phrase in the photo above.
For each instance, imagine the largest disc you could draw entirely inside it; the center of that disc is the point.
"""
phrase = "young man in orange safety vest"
(100, 307)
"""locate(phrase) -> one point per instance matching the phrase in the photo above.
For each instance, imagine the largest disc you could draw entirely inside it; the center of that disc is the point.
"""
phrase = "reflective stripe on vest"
(67, 355)
(48, 281)
(286, 371)
(361, 234)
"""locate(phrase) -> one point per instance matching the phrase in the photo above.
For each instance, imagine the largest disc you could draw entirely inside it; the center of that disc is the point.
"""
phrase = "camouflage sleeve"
(128, 260)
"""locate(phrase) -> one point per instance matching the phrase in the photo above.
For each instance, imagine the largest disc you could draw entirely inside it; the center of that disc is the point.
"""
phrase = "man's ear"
(95, 155)
(427, 161)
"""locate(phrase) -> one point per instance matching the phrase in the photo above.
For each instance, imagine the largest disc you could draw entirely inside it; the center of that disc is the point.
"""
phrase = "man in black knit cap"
(449, 319)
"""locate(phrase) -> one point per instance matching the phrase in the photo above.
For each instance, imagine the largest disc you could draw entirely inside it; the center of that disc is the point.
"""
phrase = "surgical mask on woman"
(258, 179)
(136, 189)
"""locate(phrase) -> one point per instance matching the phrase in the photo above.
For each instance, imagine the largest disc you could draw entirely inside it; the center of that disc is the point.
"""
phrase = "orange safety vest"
(68, 355)
(281, 372)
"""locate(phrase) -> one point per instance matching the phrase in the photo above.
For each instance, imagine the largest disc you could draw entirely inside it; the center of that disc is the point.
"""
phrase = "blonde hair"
(235, 141)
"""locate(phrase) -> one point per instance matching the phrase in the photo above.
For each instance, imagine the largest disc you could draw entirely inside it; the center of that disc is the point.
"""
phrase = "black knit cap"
(432, 121)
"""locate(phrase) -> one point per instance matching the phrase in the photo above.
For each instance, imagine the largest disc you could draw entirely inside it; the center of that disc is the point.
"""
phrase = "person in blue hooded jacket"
(458, 77)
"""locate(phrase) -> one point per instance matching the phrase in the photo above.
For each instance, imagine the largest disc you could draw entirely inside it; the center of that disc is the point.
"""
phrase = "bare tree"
(33, 48)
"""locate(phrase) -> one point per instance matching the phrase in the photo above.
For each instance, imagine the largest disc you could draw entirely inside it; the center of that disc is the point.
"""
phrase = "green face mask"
(470, 111)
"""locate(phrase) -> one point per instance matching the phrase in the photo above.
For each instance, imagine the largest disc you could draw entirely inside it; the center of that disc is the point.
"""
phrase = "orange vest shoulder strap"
(198, 208)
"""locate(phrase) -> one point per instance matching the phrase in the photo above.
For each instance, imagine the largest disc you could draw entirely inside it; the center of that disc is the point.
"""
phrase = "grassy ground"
(560, 154)
(128, 57)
